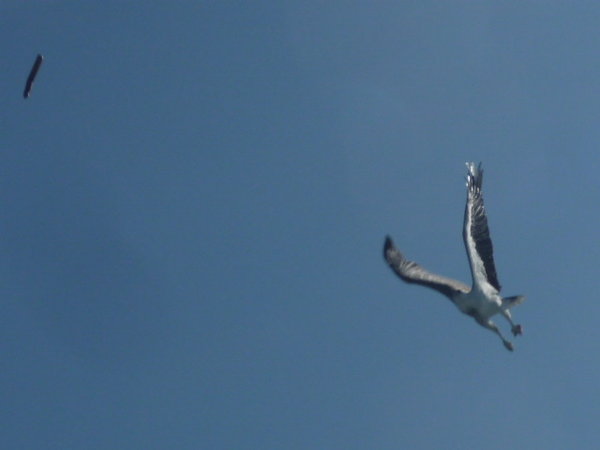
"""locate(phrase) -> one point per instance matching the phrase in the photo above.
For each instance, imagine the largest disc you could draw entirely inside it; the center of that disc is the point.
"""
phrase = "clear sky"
(193, 205)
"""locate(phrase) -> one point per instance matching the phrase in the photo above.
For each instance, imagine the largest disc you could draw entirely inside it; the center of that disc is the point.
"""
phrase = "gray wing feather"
(411, 272)
(476, 233)
(32, 74)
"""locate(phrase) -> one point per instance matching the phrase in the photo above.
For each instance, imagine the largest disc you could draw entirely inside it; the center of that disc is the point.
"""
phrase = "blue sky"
(194, 200)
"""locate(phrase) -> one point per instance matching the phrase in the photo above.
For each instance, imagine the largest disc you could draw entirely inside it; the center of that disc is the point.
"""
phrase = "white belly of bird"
(485, 302)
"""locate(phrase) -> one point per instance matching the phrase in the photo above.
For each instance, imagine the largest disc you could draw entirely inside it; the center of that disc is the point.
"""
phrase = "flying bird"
(482, 300)
(32, 74)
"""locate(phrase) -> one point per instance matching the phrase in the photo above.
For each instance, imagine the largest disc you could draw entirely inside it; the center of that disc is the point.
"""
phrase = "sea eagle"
(482, 300)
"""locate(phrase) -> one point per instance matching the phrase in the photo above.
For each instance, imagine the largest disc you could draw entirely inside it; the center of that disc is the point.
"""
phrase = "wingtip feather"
(387, 245)
(474, 175)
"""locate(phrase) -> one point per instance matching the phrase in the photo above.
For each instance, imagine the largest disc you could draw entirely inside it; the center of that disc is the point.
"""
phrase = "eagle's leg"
(492, 327)
(515, 328)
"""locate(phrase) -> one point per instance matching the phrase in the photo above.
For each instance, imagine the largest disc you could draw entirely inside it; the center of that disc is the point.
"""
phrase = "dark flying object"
(482, 300)
(31, 78)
